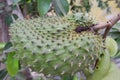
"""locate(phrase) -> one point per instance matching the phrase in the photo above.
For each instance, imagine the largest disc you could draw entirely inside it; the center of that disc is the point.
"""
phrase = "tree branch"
(108, 25)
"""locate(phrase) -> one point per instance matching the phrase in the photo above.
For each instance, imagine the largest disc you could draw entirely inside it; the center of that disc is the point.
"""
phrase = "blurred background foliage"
(14, 9)
(27, 9)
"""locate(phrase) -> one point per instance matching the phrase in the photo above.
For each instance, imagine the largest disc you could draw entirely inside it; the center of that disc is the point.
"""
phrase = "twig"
(20, 12)
(107, 25)
(25, 11)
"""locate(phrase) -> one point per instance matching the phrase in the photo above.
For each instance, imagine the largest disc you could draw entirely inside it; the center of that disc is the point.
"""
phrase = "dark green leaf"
(68, 77)
(61, 7)
(114, 30)
(118, 55)
(8, 19)
(3, 73)
(32, 9)
(14, 7)
(115, 34)
(15, 16)
(8, 45)
(43, 6)
(101, 4)
(12, 64)
(87, 5)
(118, 42)
(117, 26)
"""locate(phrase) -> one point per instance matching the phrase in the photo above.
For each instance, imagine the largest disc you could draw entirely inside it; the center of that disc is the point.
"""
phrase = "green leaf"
(3, 73)
(61, 7)
(117, 55)
(8, 45)
(16, 2)
(118, 42)
(75, 77)
(15, 16)
(87, 5)
(67, 77)
(117, 26)
(43, 6)
(8, 19)
(115, 34)
(2, 45)
(113, 74)
(29, 1)
(12, 64)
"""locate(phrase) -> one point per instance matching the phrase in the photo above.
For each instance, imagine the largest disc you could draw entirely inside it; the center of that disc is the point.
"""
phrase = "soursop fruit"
(57, 45)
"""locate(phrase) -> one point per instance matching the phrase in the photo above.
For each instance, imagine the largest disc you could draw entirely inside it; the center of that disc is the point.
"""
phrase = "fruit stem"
(108, 25)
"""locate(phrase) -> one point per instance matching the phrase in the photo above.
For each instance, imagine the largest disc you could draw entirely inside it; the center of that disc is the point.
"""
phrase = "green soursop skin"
(52, 46)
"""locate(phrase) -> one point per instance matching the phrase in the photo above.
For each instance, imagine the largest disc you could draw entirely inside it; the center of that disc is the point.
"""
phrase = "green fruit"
(75, 77)
(111, 45)
(52, 46)
(102, 67)
(2, 45)
(113, 74)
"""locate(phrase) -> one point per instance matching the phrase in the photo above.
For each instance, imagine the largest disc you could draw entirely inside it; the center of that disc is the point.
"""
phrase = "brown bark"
(3, 28)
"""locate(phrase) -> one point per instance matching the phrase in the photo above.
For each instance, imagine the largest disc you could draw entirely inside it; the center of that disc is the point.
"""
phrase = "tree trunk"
(3, 28)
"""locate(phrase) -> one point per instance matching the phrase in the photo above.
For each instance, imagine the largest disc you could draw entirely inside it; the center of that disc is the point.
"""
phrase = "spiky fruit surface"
(51, 46)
